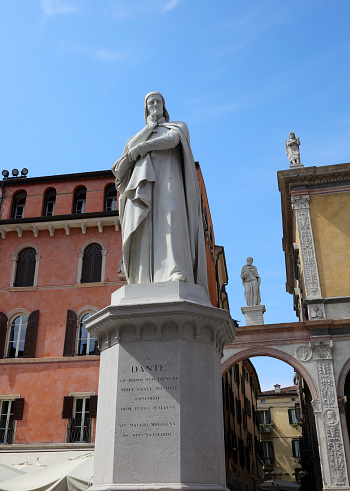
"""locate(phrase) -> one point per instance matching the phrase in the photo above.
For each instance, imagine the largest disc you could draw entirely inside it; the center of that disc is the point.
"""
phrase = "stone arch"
(273, 353)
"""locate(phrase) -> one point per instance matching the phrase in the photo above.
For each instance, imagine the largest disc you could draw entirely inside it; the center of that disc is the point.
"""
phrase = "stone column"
(329, 432)
(301, 206)
(159, 419)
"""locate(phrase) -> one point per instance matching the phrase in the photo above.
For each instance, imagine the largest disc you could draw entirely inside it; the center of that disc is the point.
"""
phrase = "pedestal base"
(254, 315)
(159, 419)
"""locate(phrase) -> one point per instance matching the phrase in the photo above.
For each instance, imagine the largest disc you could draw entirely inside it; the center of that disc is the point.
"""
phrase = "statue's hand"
(151, 120)
(134, 153)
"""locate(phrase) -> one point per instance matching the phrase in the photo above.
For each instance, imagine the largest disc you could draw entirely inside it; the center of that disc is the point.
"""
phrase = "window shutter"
(26, 267)
(268, 416)
(31, 332)
(93, 407)
(18, 408)
(97, 268)
(92, 264)
(71, 328)
(67, 411)
(3, 331)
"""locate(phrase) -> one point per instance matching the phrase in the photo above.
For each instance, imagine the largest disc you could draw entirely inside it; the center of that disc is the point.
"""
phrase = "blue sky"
(241, 74)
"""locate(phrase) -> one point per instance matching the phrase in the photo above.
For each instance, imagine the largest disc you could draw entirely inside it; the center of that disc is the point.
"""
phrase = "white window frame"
(11, 317)
(84, 396)
(14, 265)
(81, 256)
(80, 314)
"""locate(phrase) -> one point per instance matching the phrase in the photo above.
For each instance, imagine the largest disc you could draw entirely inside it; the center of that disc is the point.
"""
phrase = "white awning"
(70, 475)
(7, 472)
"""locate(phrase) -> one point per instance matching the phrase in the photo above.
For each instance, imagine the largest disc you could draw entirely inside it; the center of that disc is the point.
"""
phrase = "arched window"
(92, 264)
(79, 200)
(18, 204)
(26, 267)
(49, 203)
(17, 336)
(86, 344)
(110, 198)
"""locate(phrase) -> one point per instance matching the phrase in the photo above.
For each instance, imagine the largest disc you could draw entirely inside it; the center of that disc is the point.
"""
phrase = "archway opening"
(270, 430)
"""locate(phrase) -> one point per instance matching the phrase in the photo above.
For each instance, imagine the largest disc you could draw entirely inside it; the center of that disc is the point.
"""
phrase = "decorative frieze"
(307, 248)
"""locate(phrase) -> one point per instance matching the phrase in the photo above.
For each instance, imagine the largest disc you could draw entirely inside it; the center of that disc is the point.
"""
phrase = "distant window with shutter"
(26, 267)
(17, 337)
(264, 416)
(92, 264)
(296, 448)
(292, 416)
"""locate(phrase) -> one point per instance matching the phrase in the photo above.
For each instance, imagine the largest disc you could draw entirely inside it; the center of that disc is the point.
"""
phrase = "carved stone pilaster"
(300, 204)
(327, 416)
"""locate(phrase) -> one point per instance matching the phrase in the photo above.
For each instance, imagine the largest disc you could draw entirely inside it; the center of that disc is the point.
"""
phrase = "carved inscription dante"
(148, 402)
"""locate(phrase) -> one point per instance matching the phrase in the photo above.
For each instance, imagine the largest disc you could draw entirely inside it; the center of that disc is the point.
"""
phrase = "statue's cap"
(165, 112)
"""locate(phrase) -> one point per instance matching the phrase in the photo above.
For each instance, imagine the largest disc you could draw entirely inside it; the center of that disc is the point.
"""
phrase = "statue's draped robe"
(251, 283)
(160, 209)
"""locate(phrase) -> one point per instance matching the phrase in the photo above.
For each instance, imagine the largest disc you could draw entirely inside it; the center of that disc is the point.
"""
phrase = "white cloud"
(121, 9)
(102, 54)
(55, 7)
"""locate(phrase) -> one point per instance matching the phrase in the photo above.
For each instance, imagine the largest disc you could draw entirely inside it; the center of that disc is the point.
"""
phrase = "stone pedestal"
(254, 315)
(159, 419)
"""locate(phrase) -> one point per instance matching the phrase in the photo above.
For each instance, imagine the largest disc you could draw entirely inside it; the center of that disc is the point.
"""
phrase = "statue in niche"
(251, 282)
(292, 148)
(160, 207)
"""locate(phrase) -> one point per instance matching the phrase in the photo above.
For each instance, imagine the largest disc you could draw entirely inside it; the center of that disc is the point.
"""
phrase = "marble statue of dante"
(159, 206)
(292, 148)
(251, 282)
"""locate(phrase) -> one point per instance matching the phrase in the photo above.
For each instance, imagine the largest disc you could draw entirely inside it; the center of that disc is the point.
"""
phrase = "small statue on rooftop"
(251, 282)
(292, 148)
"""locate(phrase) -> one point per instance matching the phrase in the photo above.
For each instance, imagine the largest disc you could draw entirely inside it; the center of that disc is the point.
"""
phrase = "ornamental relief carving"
(323, 351)
(326, 380)
(336, 458)
(299, 202)
(303, 353)
(308, 255)
(330, 417)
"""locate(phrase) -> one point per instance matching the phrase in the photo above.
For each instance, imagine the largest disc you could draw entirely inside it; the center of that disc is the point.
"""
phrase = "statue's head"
(155, 104)
(249, 261)
(292, 136)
